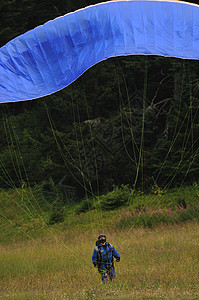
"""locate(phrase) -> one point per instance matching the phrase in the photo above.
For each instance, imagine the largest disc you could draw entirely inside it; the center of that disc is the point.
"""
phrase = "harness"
(100, 255)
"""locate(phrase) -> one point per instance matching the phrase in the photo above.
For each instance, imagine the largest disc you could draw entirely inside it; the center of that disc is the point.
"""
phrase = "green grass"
(39, 261)
(154, 263)
(24, 214)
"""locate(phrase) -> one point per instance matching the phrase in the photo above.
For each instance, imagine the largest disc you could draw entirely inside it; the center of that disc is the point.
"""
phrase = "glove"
(95, 264)
(117, 259)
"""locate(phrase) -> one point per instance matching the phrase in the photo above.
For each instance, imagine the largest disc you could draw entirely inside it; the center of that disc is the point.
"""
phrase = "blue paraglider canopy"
(51, 56)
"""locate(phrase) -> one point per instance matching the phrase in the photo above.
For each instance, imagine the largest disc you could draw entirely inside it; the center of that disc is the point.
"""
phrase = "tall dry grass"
(155, 263)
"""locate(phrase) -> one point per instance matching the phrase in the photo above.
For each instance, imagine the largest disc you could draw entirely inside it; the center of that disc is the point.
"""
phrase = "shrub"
(84, 205)
(57, 216)
(118, 197)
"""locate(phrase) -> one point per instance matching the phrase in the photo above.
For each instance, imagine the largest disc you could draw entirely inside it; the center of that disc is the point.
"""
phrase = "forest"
(130, 120)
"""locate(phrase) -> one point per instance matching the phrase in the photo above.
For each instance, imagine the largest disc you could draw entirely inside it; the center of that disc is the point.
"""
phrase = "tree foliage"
(131, 120)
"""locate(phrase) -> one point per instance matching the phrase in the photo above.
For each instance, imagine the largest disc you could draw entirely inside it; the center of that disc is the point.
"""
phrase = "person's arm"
(94, 258)
(116, 254)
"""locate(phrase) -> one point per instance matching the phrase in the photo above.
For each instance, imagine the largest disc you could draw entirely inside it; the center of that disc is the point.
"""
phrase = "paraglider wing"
(51, 56)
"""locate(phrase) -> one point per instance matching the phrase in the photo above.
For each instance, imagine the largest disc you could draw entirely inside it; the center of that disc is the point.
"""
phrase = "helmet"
(102, 236)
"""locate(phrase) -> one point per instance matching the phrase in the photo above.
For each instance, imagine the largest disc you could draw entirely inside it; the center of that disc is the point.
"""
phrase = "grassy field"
(155, 263)
(42, 261)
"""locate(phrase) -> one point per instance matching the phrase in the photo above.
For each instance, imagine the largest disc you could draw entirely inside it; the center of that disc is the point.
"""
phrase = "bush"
(118, 197)
(84, 205)
(57, 216)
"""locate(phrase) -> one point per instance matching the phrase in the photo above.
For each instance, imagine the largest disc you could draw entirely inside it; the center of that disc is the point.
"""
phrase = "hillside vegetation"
(25, 213)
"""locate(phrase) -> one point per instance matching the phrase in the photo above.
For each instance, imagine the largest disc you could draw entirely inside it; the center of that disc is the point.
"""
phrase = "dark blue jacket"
(105, 255)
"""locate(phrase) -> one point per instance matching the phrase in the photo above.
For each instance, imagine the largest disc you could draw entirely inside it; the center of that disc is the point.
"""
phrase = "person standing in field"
(103, 258)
